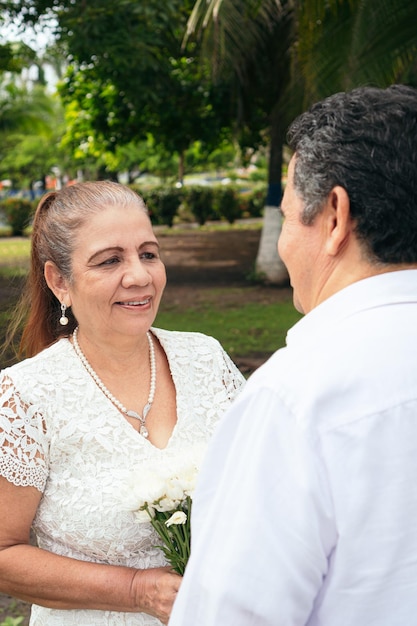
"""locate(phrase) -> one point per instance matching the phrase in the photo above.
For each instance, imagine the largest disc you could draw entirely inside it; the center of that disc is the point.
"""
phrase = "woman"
(100, 391)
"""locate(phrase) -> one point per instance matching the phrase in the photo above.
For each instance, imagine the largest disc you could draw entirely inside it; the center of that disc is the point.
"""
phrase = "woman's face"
(118, 276)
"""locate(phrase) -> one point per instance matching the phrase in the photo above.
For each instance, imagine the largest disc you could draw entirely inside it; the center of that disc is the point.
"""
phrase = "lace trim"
(14, 473)
(22, 438)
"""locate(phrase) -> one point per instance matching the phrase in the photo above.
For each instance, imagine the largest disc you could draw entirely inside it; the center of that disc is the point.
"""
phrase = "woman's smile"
(118, 275)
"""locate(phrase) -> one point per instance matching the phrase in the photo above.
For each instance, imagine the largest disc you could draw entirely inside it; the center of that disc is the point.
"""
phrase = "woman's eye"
(111, 261)
(148, 256)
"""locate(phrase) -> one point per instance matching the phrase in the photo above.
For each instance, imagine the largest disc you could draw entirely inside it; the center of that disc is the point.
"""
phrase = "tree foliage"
(252, 41)
(14, 56)
(376, 44)
(130, 77)
(285, 55)
(305, 49)
(29, 131)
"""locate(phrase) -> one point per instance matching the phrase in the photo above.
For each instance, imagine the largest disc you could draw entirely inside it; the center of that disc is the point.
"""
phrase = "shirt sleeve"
(23, 441)
(261, 522)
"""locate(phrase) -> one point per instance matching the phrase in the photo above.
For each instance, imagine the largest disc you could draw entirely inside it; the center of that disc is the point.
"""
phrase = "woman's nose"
(136, 273)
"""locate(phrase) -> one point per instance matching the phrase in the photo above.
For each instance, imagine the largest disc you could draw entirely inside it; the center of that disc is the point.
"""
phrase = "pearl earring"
(63, 320)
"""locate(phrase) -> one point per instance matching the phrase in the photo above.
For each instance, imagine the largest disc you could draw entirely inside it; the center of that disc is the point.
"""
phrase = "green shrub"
(151, 198)
(169, 203)
(258, 175)
(227, 205)
(200, 201)
(163, 204)
(18, 213)
(257, 201)
(252, 202)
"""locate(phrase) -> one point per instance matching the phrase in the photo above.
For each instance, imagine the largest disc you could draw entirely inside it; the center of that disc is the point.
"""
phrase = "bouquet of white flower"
(161, 495)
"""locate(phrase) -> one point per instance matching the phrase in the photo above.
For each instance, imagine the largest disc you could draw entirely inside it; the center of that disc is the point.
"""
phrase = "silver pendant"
(144, 431)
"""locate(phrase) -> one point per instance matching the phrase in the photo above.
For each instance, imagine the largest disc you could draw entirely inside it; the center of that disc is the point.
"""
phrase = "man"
(306, 509)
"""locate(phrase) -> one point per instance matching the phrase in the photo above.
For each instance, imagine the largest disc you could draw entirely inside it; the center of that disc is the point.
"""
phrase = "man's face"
(301, 247)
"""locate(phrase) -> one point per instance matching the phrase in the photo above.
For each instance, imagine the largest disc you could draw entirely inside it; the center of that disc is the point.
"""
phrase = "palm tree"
(376, 44)
(283, 56)
(251, 42)
(28, 117)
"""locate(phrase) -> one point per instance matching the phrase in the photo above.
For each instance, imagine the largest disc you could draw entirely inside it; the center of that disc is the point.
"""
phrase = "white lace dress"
(60, 434)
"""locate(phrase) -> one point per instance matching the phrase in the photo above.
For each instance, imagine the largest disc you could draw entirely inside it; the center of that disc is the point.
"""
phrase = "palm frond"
(346, 43)
(234, 32)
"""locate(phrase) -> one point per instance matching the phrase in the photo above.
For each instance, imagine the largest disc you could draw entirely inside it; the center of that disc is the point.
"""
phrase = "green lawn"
(251, 328)
(14, 256)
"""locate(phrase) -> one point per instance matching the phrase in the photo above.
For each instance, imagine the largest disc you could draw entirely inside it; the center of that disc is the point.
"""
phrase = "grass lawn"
(14, 256)
(242, 330)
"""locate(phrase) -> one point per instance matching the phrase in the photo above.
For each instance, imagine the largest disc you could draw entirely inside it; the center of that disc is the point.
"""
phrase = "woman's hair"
(365, 141)
(57, 221)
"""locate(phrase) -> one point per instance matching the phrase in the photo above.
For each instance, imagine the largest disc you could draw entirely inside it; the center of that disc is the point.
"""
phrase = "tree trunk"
(268, 263)
(181, 167)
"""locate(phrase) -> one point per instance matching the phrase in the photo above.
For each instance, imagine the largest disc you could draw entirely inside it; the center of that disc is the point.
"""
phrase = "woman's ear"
(57, 283)
(340, 221)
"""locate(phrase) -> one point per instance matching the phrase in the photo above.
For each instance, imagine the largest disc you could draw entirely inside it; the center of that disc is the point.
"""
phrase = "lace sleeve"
(23, 442)
(232, 377)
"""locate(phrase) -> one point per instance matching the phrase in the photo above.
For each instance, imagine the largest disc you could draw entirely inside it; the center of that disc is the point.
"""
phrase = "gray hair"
(61, 214)
(364, 141)
(57, 221)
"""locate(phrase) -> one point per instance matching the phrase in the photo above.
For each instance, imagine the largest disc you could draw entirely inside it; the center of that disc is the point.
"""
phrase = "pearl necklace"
(142, 419)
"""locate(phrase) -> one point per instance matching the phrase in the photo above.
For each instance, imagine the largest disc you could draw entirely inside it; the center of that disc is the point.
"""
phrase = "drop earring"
(63, 320)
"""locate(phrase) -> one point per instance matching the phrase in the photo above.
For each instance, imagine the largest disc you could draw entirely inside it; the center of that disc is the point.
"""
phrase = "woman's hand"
(154, 591)
(63, 583)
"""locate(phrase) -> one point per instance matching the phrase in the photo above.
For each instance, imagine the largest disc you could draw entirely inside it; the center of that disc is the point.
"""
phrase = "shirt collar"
(381, 289)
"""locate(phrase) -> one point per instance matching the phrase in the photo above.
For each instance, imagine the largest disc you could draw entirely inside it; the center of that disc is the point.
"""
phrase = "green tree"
(129, 76)
(291, 45)
(252, 42)
(29, 127)
(377, 44)
(15, 56)
(31, 147)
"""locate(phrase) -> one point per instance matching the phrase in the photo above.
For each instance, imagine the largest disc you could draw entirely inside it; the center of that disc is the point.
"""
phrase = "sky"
(37, 39)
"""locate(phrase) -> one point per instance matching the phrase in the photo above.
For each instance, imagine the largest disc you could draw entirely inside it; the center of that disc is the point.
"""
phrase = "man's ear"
(340, 224)
(57, 283)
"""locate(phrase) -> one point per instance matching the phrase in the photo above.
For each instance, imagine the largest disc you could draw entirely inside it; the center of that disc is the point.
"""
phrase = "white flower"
(179, 517)
(162, 484)
(188, 480)
(143, 486)
(166, 504)
(173, 489)
(142, 517)
(159, 492)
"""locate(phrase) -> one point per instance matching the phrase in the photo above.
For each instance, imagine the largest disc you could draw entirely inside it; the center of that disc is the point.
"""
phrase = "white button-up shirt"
(306, 508)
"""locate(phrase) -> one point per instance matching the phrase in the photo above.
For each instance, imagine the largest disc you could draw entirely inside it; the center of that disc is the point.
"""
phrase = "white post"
(268, 265)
